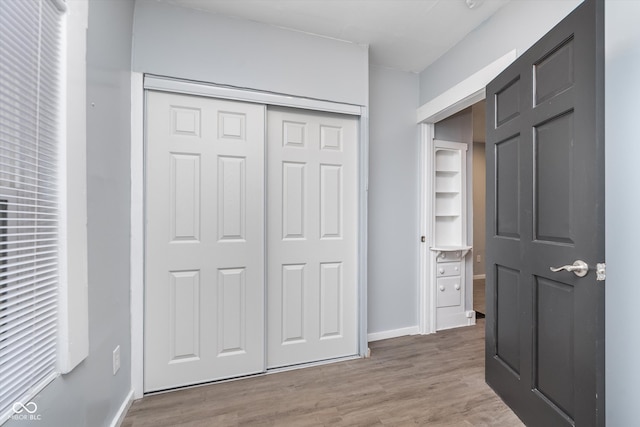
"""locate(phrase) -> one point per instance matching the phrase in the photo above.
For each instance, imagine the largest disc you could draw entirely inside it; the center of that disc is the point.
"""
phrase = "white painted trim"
(427, 324)
(456, 320)
(465, 93)
(137, 235)
(242, 94)
(73, 297)
(457, 98)
(432, 311)
(363, 193)
(122, 411)
(393, 333)
(479, 276)
(139, 83)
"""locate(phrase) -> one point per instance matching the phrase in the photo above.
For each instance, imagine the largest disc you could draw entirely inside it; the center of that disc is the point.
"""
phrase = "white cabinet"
(449, 233)
(448, 269)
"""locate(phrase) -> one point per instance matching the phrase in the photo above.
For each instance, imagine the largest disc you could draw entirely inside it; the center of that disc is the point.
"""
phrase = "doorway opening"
(458, 98)
(459, 262)
(478, 207)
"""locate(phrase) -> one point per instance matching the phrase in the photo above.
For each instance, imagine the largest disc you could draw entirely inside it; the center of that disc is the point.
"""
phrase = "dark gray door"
(545, 208)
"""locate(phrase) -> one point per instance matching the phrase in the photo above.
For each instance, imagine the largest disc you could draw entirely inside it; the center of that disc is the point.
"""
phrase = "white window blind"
(30, 53)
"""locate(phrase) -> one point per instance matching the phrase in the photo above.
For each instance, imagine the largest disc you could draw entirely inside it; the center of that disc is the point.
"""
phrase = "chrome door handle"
(579, 268)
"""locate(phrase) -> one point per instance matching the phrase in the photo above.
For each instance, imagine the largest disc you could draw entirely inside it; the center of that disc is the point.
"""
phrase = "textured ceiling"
(403, 34)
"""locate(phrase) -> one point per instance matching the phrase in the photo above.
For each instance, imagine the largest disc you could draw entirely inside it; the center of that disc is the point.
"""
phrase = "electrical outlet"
(477, 258)
(116, 360)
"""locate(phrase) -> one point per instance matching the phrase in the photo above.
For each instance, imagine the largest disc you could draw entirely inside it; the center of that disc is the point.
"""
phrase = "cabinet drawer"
(449, 292)
(448, 269)
(449, 256)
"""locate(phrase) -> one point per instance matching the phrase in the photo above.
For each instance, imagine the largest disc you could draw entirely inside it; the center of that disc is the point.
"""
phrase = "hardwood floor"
(433, 380)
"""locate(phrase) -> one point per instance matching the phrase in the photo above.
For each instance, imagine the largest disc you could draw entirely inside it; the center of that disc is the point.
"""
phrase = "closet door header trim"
(168, 84)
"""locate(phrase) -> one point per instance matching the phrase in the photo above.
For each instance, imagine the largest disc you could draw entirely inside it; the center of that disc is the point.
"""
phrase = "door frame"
(140, 82)
(455, 99)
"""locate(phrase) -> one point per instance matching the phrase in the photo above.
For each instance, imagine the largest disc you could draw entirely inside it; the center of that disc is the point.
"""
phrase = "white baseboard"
(479, 276)
(122, 412)
(455, 320)
(394, 333)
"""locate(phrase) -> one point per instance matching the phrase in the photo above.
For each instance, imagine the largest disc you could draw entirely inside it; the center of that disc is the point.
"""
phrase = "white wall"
(179, 42)
(622, 106)
(91, 395)
(517, 25)
(393, 201)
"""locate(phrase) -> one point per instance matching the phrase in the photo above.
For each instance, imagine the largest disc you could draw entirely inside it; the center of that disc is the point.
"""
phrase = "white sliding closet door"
(312, 236)
(204, 291)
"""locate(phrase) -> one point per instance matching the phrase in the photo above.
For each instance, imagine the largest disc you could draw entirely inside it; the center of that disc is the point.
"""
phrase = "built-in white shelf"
(464, 250)
(449, 231)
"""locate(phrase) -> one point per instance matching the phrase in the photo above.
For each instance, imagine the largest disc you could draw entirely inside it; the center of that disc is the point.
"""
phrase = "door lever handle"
(579, 268)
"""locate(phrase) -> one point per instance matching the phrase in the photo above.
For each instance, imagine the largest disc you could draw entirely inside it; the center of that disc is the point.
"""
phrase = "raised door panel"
(553, 163)
(553, 347)
(232, 311)
(331, 200)
(293, 303)
(185, 197)
(508, 324)
(184, 316)
(507, 102)
(554, 73)
(293, 200)
(331, 300)
(507, 188)
(232, 198)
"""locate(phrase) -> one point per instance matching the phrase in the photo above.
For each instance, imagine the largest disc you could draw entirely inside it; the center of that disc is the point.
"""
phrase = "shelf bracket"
(464, 250)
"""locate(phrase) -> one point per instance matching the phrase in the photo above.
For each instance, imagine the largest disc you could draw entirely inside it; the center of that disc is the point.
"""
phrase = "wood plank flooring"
(433, 380)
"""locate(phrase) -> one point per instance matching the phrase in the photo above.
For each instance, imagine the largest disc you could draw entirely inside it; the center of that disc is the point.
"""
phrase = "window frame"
(72, 334)
(73, 299)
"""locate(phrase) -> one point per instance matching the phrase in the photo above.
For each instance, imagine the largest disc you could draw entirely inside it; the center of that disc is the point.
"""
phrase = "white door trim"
(426, 306)
(464, 94)
(451, 101)
(363, 195)
(168, 84)
(141, 82)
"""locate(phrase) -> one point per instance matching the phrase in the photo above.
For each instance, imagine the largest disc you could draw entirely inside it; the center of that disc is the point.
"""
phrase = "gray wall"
(90, 395)
(622, 104)
(456, 128)
(190, 44)
(517, 25)
(393, 200)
